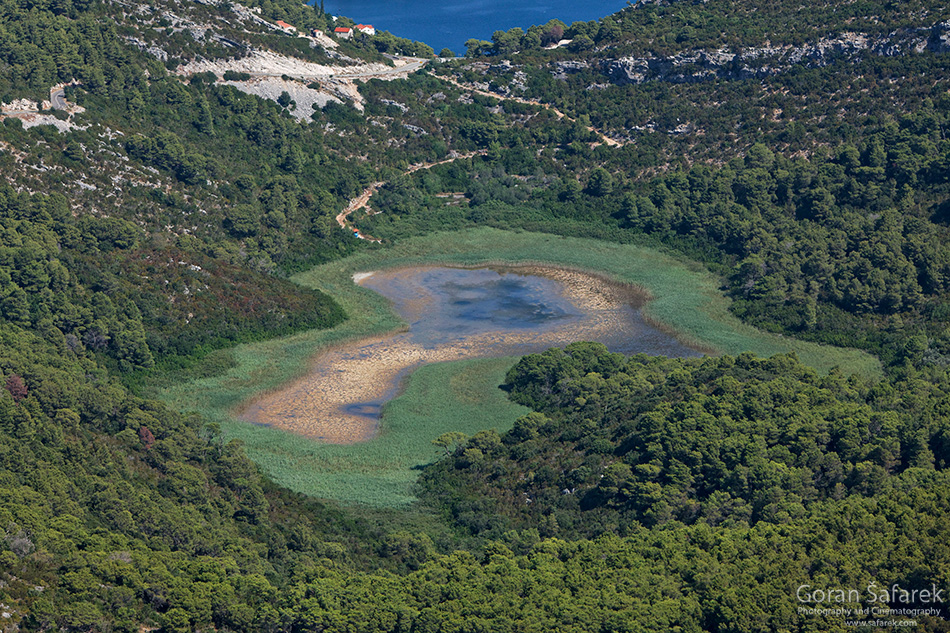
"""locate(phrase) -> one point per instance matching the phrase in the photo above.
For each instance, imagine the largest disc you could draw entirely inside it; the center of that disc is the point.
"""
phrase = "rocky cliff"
(703, 65)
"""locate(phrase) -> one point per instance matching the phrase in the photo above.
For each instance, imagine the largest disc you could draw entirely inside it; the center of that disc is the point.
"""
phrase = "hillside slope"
(191, 156)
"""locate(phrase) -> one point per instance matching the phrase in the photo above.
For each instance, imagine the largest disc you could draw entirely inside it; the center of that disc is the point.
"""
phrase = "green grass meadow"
(459, 396)
(464, 395)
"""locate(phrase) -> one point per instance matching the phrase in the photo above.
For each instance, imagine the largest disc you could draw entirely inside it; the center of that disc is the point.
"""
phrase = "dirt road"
(606, 140)
(362, 201)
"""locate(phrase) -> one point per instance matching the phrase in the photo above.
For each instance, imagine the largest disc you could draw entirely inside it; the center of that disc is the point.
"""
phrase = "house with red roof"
(289, 29)
(366, 28)
(343, 32)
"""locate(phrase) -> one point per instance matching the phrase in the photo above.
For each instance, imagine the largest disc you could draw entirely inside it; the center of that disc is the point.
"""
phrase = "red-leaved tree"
(148, 440)
(17, 388)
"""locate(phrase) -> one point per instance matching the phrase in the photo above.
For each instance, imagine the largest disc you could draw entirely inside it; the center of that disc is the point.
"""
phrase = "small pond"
(453, 314)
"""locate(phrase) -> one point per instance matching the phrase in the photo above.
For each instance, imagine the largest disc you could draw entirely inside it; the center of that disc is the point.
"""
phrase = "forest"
(155, 223)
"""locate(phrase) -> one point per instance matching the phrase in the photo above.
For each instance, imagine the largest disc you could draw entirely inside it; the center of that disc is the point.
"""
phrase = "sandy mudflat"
(591, 293)
(366, 372)
(337, 400)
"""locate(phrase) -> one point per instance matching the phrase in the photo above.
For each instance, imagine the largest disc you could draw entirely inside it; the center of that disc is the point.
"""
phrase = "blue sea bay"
(450, 24)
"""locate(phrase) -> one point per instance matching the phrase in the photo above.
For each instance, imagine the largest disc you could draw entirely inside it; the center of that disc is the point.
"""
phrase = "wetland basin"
(453, 314)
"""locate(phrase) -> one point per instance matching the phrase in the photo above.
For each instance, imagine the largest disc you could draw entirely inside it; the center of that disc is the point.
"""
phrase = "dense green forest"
(618, 442)
(800, 153)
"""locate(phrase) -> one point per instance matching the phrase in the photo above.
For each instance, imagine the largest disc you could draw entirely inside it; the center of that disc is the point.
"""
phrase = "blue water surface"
(449, 24)
(447, 305)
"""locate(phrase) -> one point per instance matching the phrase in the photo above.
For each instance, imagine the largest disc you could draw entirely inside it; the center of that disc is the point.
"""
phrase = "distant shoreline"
(441, 26)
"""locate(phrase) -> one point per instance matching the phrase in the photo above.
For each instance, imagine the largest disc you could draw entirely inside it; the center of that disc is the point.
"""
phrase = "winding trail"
(356, 204)
(605, 140)
(362, 200)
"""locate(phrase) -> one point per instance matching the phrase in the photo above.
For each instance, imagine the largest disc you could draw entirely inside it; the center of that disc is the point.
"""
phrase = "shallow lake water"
(453, 314)
(448, 305)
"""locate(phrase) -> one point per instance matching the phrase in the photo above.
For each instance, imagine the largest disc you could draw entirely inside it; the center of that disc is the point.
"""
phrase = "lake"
(450, 24)
(455, 314)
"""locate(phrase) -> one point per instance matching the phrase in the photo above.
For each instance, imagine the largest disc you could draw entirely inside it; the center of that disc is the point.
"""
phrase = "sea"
(449, 23)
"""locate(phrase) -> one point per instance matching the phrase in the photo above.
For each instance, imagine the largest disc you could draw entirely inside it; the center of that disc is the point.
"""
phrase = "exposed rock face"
(563, 69)
(518, 83)
(702, 65)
